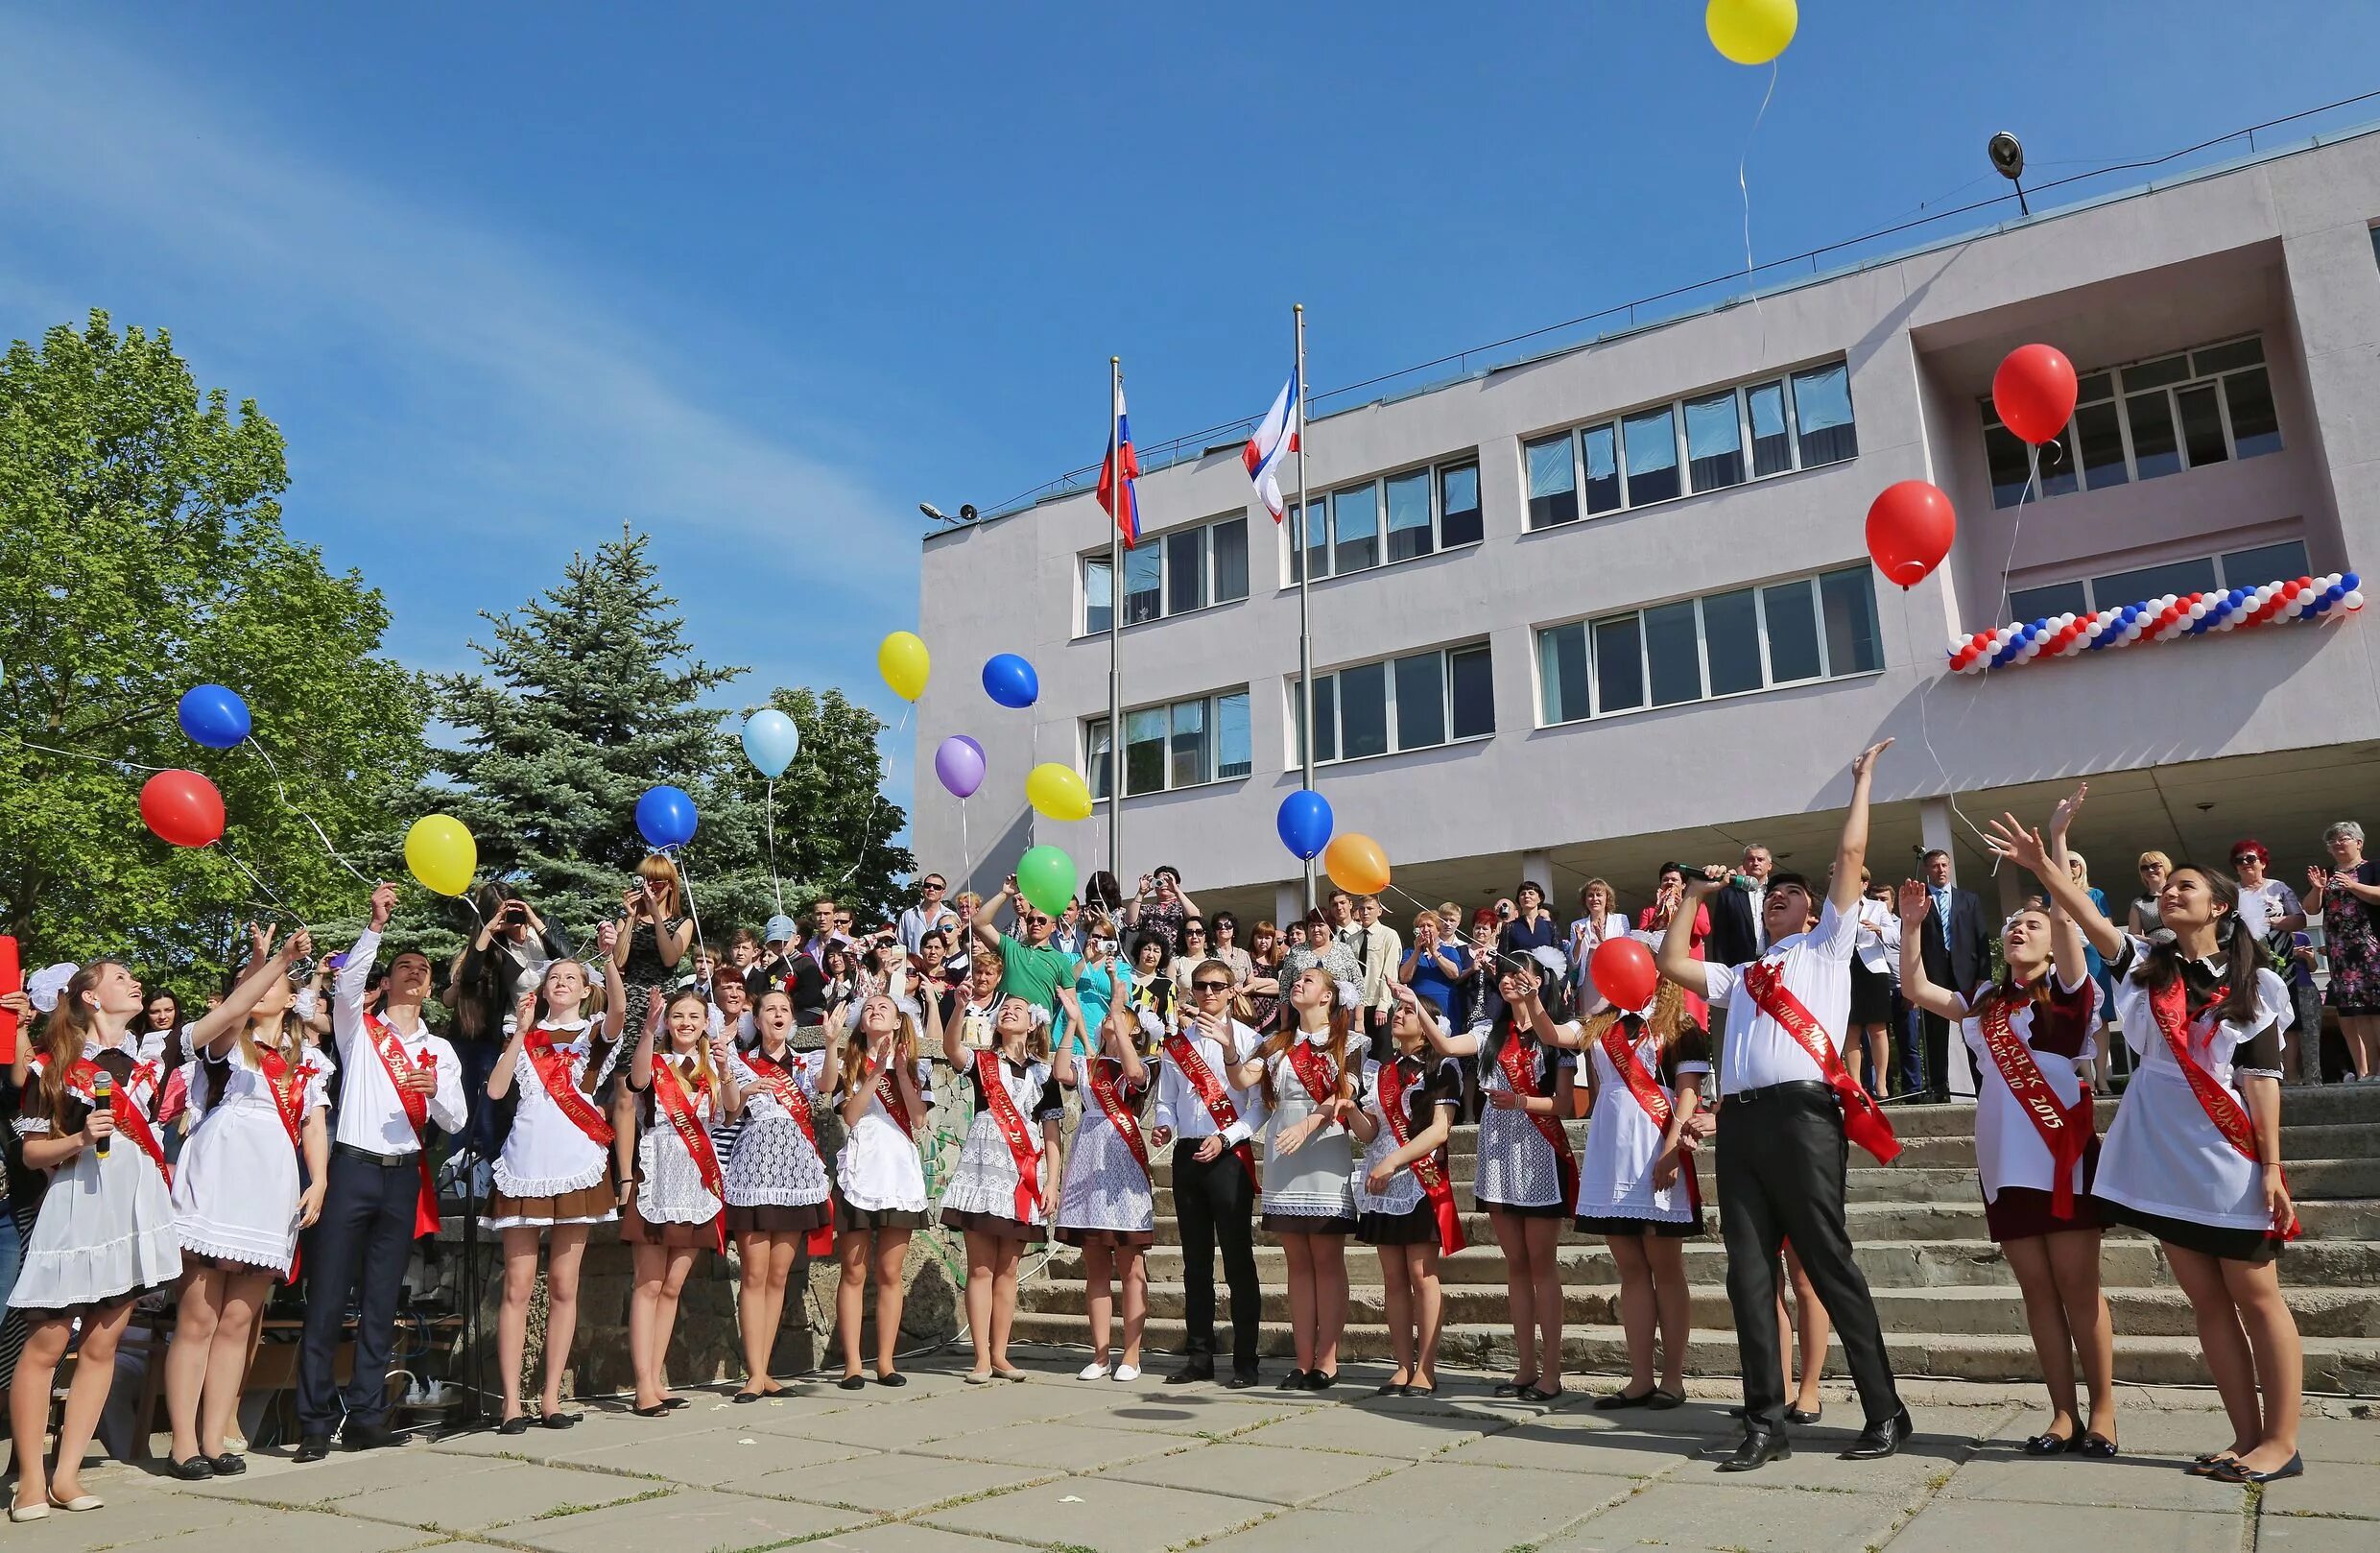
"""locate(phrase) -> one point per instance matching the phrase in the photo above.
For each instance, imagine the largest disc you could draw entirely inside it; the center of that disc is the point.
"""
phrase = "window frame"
(1162, 542)
(2224, 580)
(1327, 683)
(1211, 732)
(1293, 546)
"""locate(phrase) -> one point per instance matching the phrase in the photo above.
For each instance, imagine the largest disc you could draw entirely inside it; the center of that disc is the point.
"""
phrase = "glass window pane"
(1420, 701)
(1772, 449)
(1144, 571)
(2057, 465)
(1185, 571)
(1355, 524)
(2154, 448)
(1600, 444)
(1619, 665)
(1791, 610)
(1650, 439)
(1188, 766)
(1849, 601)
(1823, 407)
(2150, 374)
(2202, 426)
(1095, 740)
(2266, 563)
(2255, 425)
(2094, 388)
(1098, 596)
(1144, 751)
(2224, 358)
(1325, 718)
(1672, 650)
(1317, 539)
(1714, 442)
(1458, 506)
(1471, 671)
(2005, 452)
(1409, 516)
(1553, 481)
(1234, 746)
(2098, 434)
(1230, 544)
(1363, 710)
(1731, 641)
(2040, 602)
(2179, 577)
(1561, 675)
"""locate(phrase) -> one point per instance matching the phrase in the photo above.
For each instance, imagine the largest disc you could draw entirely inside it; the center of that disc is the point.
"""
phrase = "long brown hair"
(70, 1025)
(667, 1048)
(855, 1052)
(2004, 991)
(1342, 1022)
(2241, 959)
(1669, 1021)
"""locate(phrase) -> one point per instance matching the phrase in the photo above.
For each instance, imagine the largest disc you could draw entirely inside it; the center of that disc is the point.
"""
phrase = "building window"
(2251, 568)
(1168, 574)
(1433, 508)
(1416, 701)
(1174, 745)
(1730, 436)
(2147, 420)
(1721, 644)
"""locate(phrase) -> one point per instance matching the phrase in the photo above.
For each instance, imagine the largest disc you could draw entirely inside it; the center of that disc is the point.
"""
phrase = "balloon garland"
(2156, 620)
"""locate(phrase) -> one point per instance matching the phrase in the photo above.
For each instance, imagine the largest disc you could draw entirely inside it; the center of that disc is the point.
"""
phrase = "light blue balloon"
(770, 741)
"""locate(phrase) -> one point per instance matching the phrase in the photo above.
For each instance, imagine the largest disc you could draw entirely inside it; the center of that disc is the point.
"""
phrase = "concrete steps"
(1946, 1298)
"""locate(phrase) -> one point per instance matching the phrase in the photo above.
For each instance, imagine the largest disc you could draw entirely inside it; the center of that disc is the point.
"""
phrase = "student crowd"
(1304, 1080)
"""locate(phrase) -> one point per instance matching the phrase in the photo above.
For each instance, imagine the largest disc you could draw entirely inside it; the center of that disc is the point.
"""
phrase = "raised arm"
(1851, 849)
(2066, 933)
(1915, 903)
(2010, 839)
(500, 1077)
(945, 1035)
(985, 930)
(640, 1064)
(214, 1030)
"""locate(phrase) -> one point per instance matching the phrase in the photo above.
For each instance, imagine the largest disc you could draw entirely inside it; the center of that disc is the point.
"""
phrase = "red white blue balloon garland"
(2156, 620)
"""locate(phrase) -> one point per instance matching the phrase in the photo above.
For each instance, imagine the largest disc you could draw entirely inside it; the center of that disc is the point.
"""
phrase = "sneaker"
(1093, 1370)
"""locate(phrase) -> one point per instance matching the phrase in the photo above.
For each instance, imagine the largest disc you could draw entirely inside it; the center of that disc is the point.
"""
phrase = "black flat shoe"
(1192, 1374)
(228, 1465)
(1882, 1437)
(1394, 1388)
(1535, 1394)
(557, 1420)
(1616, 1401)
(196, 1470)
(653, 1412)
(2231, 1472)
(1295, 1380)
(894, 1378)
(313, 1447)
(1417, 1391)
(852, 1383)
(2096, 1446)
(673, 1404)
(744, 1397)
(1804, 1415)
(1661, 1402)
(1758, 1448)
(2051, 1444)
(1318, 1380)
(1514, 1387)
(1242, 1380)
(519, 1425)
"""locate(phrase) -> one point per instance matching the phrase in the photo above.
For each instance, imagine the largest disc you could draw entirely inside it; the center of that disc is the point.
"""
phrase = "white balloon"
(2354, 600)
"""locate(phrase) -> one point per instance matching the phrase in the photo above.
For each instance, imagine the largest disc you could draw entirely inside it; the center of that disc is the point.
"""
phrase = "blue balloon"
(770, 741)
(665, 816)
(213, 715)
(1304, 822)
(1009, 681)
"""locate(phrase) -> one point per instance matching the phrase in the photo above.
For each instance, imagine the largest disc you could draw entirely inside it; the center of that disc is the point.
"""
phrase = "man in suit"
(1957, 955)
(1736, 931)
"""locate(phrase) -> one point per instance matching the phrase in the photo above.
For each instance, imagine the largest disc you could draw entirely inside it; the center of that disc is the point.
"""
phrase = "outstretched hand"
(1917, 902)
(1865, 761)
(2008, 838)
(2062, 817)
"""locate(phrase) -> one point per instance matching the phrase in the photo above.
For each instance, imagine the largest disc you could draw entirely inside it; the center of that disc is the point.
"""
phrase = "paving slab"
(503, 1494)
(1065, 1447)
(1103, 1513)
(1500, 1505)
(2301, 1534)
(278, 1480)
(1965, 1525)
(1371, 1531)
(1275, 1475)
(2328, 1488)
(1180, 1415)
(1612, 1452)
(891, 1483)
(2340, 1439)
(290, 1531)
(713, 1457)
(133, 1517)
(2126, 1483)
(1366, 1433)
(1747, 1520)
(904, 1537)
(1817, 1463)
(692, 1518)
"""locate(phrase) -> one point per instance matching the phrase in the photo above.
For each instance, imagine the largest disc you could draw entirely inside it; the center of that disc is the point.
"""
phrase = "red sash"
(1313, 1071)
(287, 1084)
(391, 1050)
(1863, 1121)
(1014, 1131)
(1210, 1092)
(677, 1108)
(1520, 1073)
(1107, 1090)
(780, 1086)
(2170, 1006)
(552, 1065)
(1621, 1053)
(1428, 1170)
(122, 1110)
(2066, 1131)
(888, 1091)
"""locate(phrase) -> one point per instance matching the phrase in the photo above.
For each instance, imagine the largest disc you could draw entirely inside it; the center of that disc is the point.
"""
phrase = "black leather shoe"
(1759, 1448)
(1882, 1437)
(196, 1470)
(366, 1436)
(1192, 1374)
(228, 1465)
(518, 1424)
(1803, 1415)
(1321, 1379)
(313, 1447)
(1241, 1380)
(1295, 1380)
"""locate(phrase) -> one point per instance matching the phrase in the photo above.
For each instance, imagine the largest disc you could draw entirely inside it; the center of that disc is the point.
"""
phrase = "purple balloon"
(959, 761)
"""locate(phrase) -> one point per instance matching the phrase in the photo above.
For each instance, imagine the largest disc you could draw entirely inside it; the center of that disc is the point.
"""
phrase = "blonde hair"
(2081, 867)
(662, 873)
(855, 1052)
(1668, 1021)
(702, 1053)
(2152, 855)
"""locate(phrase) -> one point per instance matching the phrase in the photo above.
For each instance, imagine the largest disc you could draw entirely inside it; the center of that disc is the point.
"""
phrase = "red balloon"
(1623, 972)
(182, 807)
(1910, 527)
(2034, 391)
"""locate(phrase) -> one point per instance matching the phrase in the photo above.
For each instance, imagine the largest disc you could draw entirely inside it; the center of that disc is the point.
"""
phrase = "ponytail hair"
(2242, 955)
(63, 1035)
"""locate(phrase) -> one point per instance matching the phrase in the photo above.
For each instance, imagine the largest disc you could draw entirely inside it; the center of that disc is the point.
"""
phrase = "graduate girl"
(885, 1091)
(777, 1192)
(1001, 1197)
(1404, 1207)
(1105, 1205)
(679, 1192)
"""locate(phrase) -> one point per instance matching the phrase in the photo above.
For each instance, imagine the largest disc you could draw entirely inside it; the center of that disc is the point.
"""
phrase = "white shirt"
(1879, 943)
(371, 1114)
(1816, 969)
(545, 1155)
(2009, 1151)
(917, 922)
(2267, 902)
(1586, 935)
(1181, 1112)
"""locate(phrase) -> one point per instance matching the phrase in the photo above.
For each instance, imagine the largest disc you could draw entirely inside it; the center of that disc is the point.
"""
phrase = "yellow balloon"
(903, 663)
(442, 853)
(1751, 31)
(1057, 792)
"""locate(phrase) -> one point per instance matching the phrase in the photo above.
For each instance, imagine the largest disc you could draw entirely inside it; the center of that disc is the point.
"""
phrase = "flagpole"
(1305, 579)
(1115, 635)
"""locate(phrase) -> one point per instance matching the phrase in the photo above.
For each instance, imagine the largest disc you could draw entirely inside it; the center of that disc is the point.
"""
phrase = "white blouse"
(2009, 1151)
(879, 1169)
(246, 1084)
(545, 1155)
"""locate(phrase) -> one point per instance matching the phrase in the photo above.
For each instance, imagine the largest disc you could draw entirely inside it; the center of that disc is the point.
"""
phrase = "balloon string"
(1926, 731)
(1742, 188)
(966, 853)
(874, 797)
(253, 878)
(78, 754)
(303, 814)
(685, 882)
(768, 817)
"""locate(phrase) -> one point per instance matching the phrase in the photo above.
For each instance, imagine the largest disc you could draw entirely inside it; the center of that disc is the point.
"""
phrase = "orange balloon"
(1356, 864)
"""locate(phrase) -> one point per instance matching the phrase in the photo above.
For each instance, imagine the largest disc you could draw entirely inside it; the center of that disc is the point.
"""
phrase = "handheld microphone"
(103, 1096)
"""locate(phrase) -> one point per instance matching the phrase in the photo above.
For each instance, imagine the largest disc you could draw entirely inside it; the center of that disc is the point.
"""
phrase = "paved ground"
(943, 1468)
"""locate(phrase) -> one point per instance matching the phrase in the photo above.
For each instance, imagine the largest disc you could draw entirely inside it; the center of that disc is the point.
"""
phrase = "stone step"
(2331, 1363)
(2138, 1312)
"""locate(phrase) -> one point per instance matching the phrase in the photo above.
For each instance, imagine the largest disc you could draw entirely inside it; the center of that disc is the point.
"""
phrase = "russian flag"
(1276, 436)
(1126, 516)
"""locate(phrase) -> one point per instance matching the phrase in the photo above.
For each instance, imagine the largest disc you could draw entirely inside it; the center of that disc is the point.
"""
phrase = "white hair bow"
(43, 987)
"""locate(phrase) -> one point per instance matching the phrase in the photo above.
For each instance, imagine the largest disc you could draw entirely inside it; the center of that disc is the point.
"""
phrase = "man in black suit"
(1736, 924)
(1957, 955)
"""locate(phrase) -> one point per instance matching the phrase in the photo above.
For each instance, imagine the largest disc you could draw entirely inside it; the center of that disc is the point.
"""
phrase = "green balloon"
(1045, 877)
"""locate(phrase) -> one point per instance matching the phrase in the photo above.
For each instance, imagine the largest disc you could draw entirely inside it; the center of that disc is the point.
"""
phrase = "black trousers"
(1216, 1202)
(363, 1238)
(1781, 1161)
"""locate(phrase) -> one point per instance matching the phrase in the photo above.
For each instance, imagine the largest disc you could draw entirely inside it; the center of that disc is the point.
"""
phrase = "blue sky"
(760, 278)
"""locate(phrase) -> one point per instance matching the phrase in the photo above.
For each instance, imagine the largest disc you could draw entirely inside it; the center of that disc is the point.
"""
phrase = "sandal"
(1535, 1394)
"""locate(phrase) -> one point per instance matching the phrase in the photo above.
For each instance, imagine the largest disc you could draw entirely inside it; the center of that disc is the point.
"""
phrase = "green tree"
(141, 553)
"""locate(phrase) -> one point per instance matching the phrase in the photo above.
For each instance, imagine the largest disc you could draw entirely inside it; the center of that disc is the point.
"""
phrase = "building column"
(1539, 866)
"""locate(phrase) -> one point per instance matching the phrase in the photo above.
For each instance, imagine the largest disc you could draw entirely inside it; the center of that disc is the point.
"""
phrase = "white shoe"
(1093, 1370)
(1127, 1371)
(22, 1512)
(79, 1503)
